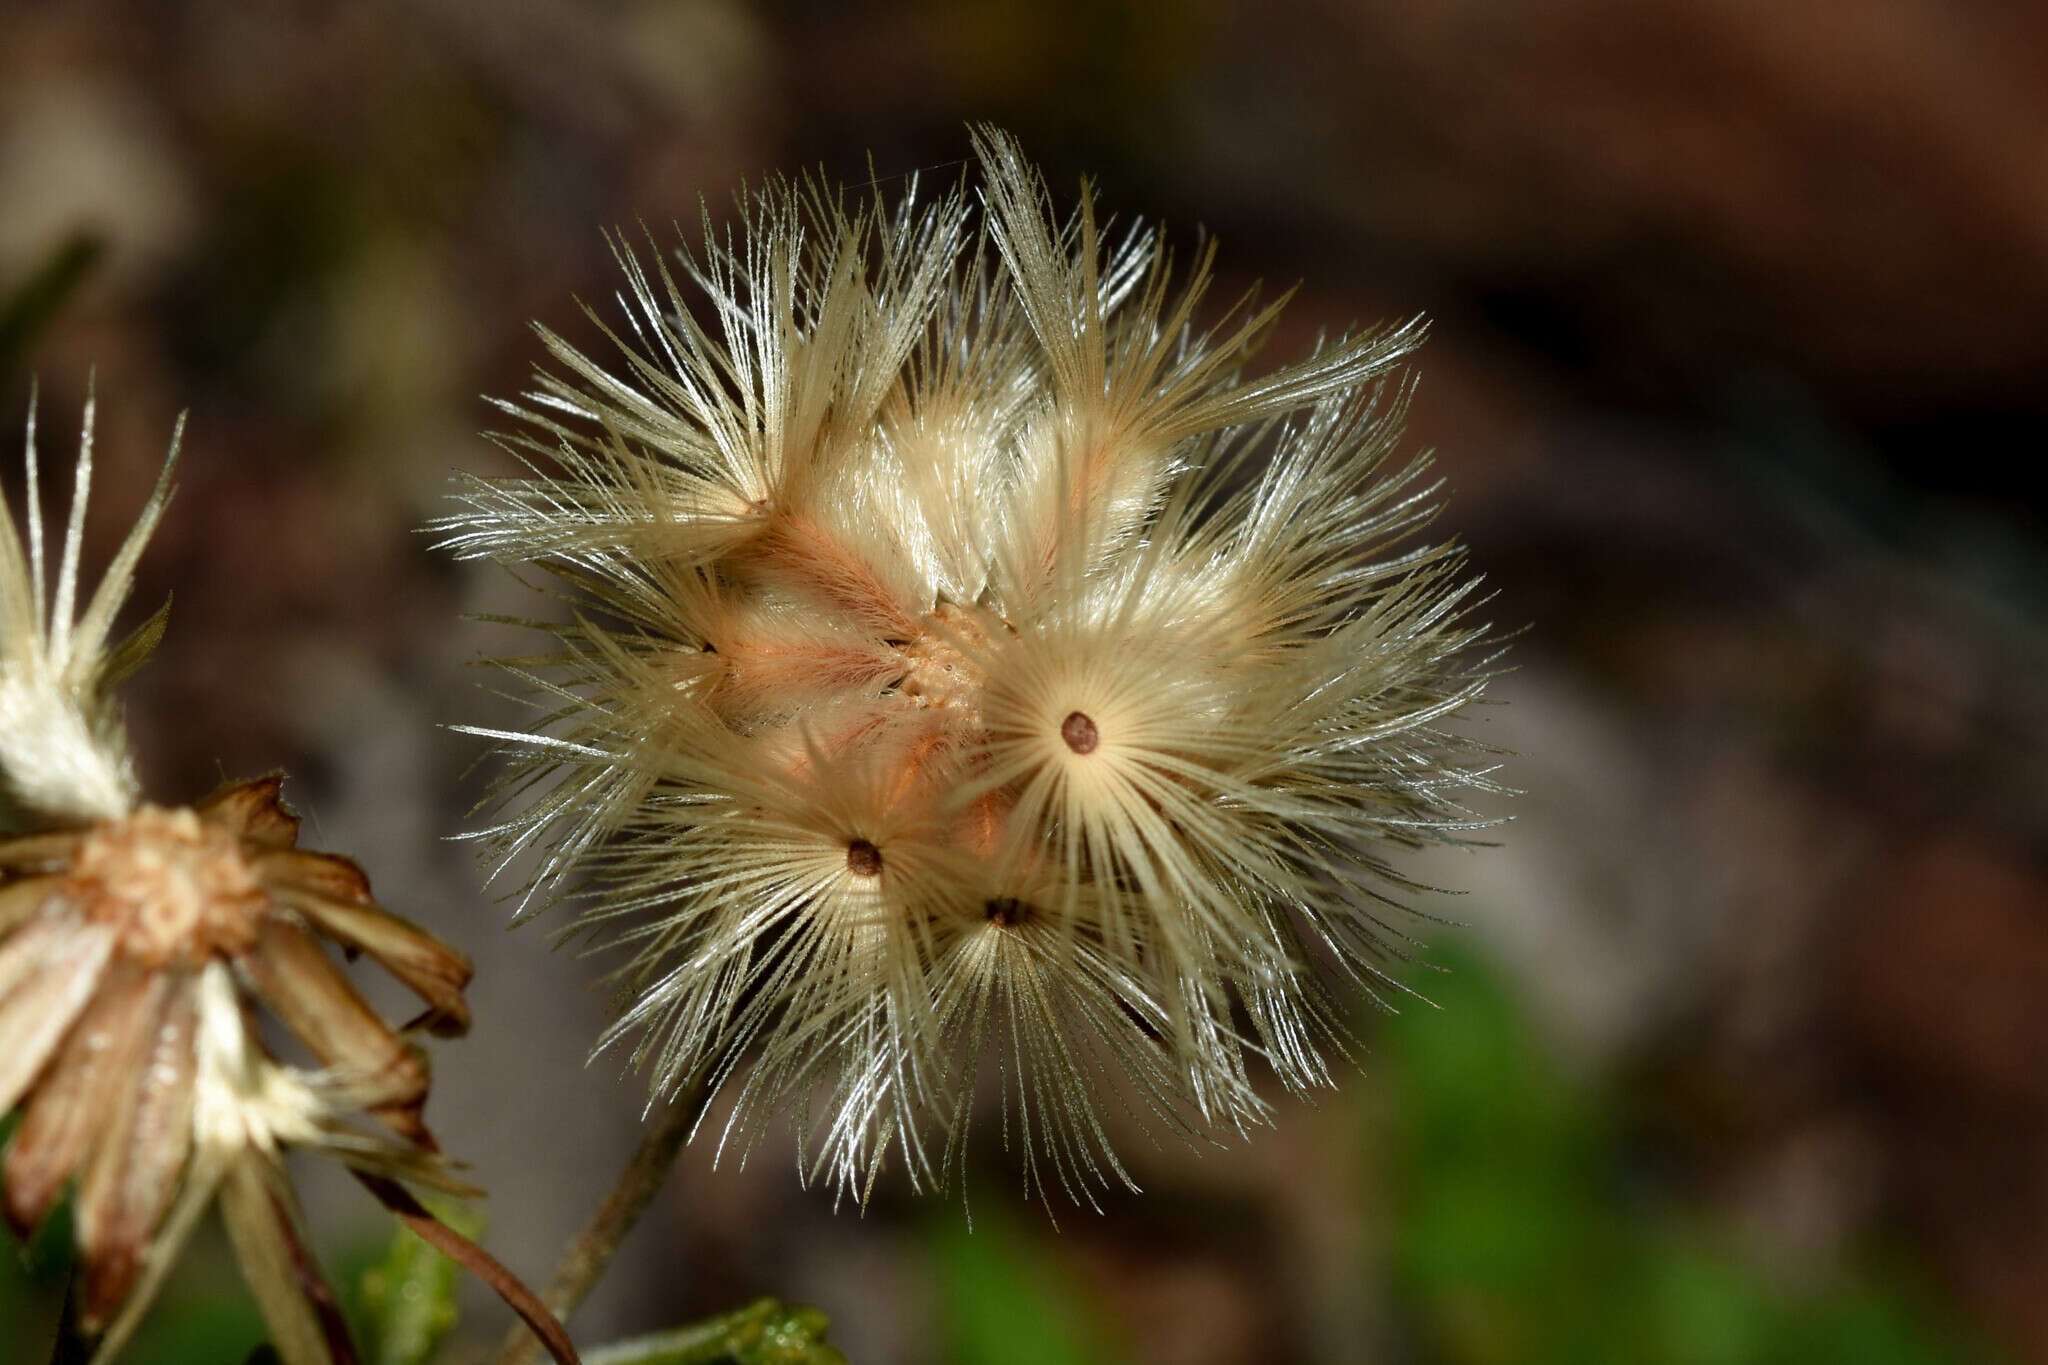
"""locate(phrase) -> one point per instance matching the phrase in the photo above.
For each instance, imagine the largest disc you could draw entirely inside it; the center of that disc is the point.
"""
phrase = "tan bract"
(137, 943)
(975, 671)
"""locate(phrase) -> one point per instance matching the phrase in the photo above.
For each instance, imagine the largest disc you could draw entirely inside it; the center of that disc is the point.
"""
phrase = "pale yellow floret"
(62, 752)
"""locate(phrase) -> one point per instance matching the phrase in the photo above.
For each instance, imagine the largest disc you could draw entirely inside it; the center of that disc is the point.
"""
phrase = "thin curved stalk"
(585, 1258)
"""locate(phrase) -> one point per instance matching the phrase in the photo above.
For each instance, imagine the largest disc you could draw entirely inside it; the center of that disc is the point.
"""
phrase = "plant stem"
(547, 1328)
(765, 1330)
(585, 1258)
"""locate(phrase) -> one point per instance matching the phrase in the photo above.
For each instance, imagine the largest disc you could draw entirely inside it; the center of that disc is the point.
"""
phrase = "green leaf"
(409, 1298)
(1004, 1301)
(765, 1332)
(1520, 1237)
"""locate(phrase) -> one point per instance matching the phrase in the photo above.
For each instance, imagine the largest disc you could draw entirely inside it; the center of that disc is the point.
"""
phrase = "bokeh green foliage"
(401, 1306)
(204, 1315)
(400, 1303)
(1006, 1297)
(1520, 1229)
(406, 1301)
(1524, 1232)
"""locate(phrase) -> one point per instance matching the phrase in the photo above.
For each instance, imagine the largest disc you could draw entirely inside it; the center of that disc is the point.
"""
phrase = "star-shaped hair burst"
(977, 677)
(139, 946)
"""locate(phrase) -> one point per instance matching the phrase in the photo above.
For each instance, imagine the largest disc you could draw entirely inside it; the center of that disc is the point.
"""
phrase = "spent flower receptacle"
(139, 946)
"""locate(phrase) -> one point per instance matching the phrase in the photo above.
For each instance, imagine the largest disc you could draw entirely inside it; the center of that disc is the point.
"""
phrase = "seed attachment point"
(1006, 911)
(863, 859)
(1080, 733)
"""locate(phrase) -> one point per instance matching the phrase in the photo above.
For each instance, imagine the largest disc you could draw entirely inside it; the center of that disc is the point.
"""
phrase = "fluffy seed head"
(980, 680)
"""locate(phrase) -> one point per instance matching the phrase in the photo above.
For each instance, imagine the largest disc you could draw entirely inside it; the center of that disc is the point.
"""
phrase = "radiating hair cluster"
(977, 677)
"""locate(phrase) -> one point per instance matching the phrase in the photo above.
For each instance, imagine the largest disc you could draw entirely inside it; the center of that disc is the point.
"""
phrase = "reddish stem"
(476, 1261)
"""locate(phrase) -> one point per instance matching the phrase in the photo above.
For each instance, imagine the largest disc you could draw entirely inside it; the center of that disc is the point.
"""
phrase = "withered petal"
(21, 899)
(253, 811)
(65, 1115)
(47, 852)
(318, 874)
(48, 970)
(436, 972)
(268, 1232)
(135, 1170)
(301, 984)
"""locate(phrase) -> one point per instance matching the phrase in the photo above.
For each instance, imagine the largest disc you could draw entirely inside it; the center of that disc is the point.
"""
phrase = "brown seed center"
(176, 889)
(863, 859)
(1006, 911)
(1080, 733)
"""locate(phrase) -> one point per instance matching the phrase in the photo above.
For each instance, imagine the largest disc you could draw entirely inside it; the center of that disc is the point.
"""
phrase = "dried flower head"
(136, 943)
(975, 669)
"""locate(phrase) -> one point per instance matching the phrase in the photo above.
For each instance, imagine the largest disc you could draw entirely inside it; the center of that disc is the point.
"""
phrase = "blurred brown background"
(1737, 377)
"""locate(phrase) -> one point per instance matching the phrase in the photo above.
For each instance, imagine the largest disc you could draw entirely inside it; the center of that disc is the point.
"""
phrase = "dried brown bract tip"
(138, 944)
